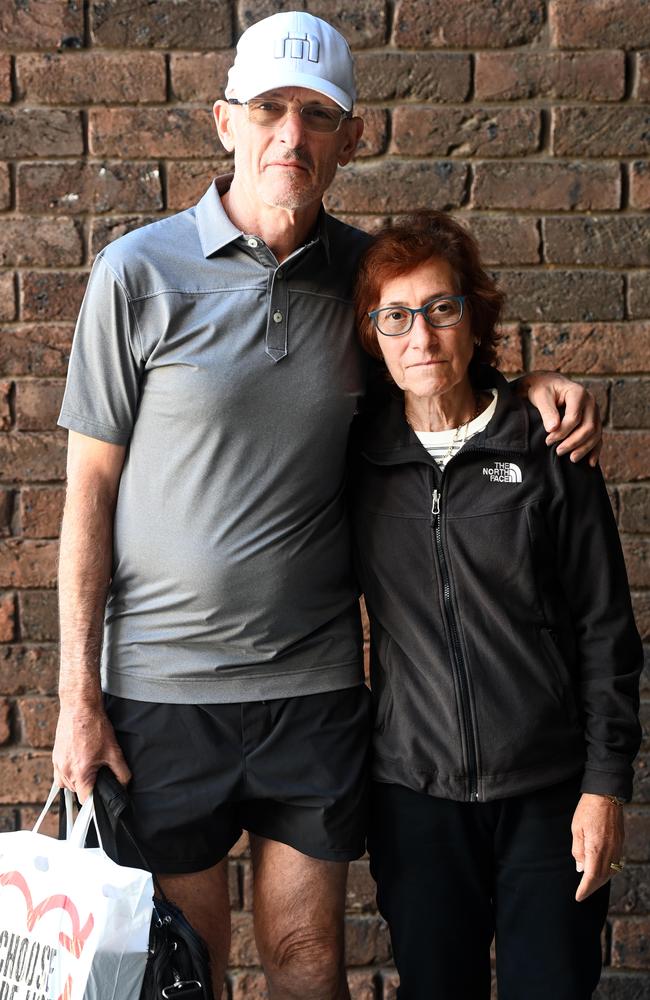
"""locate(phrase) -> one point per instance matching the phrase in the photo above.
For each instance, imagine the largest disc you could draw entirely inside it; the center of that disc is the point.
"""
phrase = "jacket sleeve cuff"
(608, 783)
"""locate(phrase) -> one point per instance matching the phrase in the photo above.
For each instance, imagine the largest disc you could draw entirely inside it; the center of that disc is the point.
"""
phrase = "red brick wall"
(531, 118)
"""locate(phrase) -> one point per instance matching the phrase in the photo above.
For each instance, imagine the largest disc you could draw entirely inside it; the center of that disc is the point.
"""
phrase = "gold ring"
(617, 866)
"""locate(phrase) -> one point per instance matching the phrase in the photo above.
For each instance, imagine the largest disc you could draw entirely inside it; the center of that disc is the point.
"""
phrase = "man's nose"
(292, 130)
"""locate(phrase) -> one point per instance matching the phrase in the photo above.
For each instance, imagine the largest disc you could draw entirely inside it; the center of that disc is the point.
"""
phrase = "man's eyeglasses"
(273, 113)
(441, 312)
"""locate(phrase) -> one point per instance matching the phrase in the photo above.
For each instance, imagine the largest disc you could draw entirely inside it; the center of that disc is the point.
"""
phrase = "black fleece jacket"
(504, 655)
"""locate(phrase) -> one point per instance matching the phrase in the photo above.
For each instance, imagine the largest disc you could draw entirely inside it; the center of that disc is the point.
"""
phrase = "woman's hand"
(579, 428)
(598, 835)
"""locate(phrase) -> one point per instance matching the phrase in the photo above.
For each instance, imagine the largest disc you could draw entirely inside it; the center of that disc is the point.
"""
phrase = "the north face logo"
(503, 472)
(298, 47)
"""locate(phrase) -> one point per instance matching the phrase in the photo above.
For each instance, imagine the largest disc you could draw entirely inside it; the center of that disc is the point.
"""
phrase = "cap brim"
(253, 88)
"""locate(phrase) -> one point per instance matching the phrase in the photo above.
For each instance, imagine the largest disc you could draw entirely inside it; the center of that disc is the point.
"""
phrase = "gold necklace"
(450, 450)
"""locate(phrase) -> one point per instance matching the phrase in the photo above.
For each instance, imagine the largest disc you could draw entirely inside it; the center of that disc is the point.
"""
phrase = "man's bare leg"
(298, 910)
(203, 898)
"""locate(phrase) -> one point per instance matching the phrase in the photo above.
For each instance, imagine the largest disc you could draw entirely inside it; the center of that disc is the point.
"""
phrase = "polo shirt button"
(279, 275)
(277, 317)
(252, 242)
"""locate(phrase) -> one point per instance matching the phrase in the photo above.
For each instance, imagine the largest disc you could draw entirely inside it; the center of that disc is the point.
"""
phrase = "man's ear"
(223, 119)
(351, 137)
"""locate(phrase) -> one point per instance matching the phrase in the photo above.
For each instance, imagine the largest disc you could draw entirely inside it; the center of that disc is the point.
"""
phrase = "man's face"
(286, 167)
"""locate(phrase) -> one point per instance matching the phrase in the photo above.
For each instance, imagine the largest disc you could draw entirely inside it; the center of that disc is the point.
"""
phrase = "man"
(204, 548)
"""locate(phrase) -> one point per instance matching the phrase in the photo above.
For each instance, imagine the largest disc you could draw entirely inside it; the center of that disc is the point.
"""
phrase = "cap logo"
(294, 47)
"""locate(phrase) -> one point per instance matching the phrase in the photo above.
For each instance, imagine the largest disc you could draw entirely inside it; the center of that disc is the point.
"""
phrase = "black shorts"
(290, 769)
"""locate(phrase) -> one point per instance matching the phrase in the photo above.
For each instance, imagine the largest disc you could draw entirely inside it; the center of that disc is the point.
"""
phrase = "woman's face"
(426, 361)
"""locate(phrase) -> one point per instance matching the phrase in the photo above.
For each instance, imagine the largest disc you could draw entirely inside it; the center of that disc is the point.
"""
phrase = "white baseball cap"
(292, 49)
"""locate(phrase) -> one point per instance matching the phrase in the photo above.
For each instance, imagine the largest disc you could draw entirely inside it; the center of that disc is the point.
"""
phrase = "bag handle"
(67, 805)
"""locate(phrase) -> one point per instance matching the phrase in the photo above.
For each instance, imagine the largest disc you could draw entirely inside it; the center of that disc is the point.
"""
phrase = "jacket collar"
(385, 438)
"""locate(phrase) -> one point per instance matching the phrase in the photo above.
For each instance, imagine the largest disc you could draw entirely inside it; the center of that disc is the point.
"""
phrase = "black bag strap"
(114, 797)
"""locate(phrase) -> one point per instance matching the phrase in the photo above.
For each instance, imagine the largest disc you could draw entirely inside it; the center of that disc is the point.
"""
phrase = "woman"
(504, 657)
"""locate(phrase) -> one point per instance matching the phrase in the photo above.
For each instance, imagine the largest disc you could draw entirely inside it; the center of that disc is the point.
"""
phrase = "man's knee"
(308, 964)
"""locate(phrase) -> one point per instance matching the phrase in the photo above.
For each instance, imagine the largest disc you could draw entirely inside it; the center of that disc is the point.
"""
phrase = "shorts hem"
(342, 854)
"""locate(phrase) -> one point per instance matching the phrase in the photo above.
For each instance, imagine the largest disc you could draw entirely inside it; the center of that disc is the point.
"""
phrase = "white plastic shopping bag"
(73, 924)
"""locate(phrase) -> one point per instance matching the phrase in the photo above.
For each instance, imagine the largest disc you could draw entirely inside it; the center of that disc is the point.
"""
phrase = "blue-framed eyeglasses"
(441, 312)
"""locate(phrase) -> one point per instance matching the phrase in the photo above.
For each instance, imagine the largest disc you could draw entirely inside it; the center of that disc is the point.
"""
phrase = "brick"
(361, 889)
(640, 184)
(92, 78)
(28, 132)
(35, 349)
(562, 295)
(38, 404)
(50, 825)
(466, 26)
(631, 942)
(5, 409)
(81, 187)
(30, 457)
(636, 549)
(243, 950)
(241, 849)
(137, 132)
(601, 131)
(599, 240)
(364, 23)
(580, 76)
(38, 718)
(641, 605)
(5, 721)
(631, 403)
(8, 819)
(397, 187)
(639, 295)
(469, 131)
(103, 231)
(248, 986)
(368, 223)
(637, 834)
(25, 777)
(375, 131)
(5, 79)
(200, 76)
(52, 296)
(642, 86)
(505, 239)
(25, 563)
(7, 297)
(421, 76)
(598, 348)
(390, 983)
(166, 24)
(6, 511)
(39, 615)
(187, 181)
(510, 350)
(5, 186)
(600, 23)
(7, 618)
(39, 242)
(547, 186)
(247, 888)
(622, 986)
(635, 508)
(366, 940)
(28, 669)
(41, 510)
(41, 24)
(233, 885)
(361, 983)
(625, 455)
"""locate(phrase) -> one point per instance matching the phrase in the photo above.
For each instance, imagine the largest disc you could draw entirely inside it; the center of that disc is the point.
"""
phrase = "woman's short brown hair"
(400, 248)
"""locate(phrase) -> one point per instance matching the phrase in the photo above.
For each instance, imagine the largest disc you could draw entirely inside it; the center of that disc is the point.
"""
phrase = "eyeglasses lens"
(315, 117)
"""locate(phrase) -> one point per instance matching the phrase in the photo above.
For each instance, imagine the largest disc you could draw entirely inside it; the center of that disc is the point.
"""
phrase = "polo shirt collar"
(216, 230)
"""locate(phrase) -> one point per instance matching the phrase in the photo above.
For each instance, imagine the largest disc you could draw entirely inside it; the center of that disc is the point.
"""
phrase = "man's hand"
(579, 427)
(598, 835)
(84, 741)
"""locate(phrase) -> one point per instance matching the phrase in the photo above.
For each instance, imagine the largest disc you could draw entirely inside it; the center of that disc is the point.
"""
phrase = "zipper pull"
(435, 503)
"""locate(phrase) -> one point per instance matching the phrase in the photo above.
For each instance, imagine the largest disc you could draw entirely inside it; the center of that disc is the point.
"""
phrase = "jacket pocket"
(555, 660)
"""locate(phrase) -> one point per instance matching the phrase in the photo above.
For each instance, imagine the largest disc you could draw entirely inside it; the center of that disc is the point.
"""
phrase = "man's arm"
(579, 427)
(84, 737)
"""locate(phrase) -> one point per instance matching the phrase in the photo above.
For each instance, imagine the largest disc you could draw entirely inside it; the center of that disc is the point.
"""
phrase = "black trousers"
(451, 876)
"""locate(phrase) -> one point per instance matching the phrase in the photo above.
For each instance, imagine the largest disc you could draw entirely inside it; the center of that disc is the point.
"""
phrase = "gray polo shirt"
(233, 381)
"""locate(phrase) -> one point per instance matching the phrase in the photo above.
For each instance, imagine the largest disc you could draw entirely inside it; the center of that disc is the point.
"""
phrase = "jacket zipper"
(458, 660)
